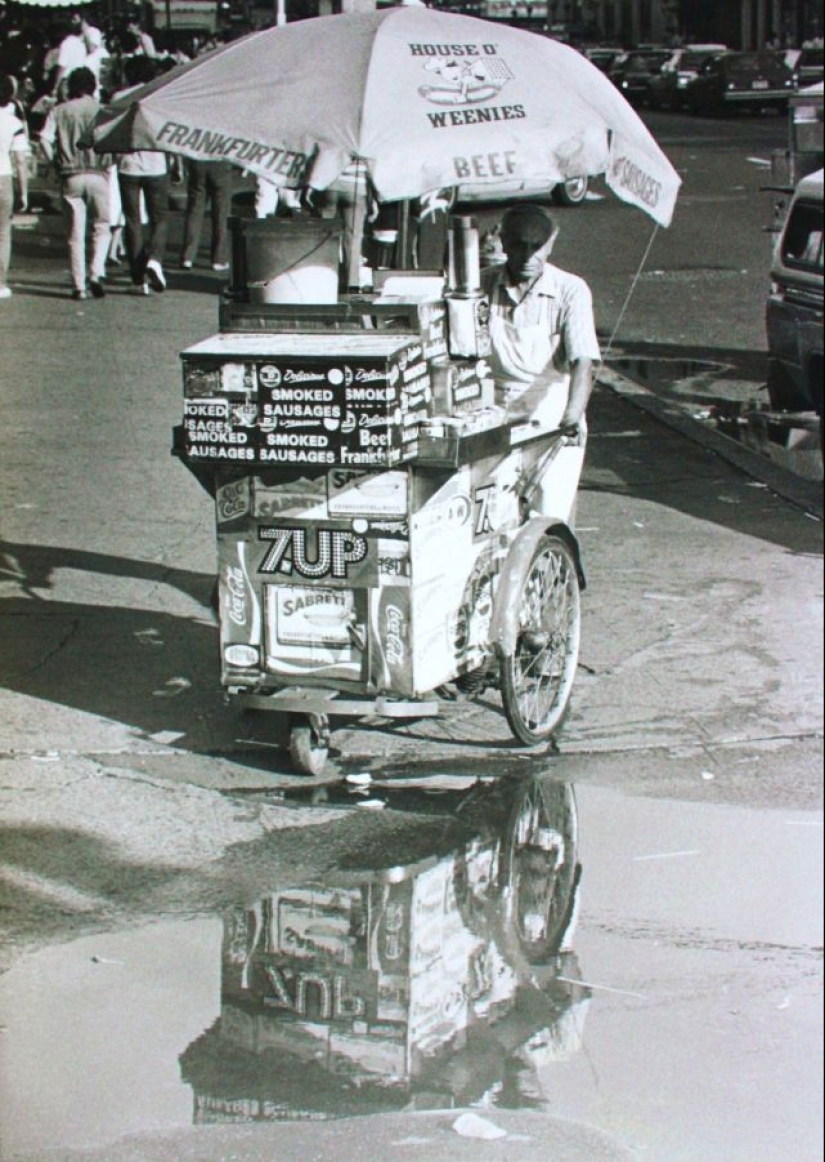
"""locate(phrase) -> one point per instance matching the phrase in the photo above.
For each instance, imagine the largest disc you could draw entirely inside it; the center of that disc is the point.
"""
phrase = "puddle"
(641, 966)
(789, 440)
(713, 393)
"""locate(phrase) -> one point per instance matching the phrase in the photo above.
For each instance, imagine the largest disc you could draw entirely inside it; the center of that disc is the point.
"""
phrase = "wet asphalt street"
(165, 874)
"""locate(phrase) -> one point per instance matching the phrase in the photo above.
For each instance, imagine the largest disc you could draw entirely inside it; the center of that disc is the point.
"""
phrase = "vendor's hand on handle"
(570, 426)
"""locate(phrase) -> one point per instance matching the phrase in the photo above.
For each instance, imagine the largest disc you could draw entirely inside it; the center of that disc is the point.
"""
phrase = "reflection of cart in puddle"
(372, 503)
(427, 984)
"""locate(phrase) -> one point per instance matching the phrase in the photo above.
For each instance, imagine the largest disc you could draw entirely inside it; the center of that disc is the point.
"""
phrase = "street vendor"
(544, 345)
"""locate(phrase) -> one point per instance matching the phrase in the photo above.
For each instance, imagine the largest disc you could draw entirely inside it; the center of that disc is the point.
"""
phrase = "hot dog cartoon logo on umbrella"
(465, 80)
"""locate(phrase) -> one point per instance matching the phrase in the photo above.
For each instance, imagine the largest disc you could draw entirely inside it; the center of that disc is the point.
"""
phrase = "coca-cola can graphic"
(239, 606)
(391, 663)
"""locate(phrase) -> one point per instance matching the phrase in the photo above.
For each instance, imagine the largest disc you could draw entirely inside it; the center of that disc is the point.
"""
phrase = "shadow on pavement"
(630, 453)
(33, 567)
(158, 671)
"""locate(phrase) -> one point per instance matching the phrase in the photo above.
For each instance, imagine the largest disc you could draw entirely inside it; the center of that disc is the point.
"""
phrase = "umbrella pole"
(403, 253)
(359, 216)
(636, 278)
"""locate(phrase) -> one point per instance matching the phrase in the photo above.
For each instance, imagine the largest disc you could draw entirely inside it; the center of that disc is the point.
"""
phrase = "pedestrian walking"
(14, 158)
(117, 221)
(144, 181)
(71, 54)
(212, 180)
(84, 182)
(144, 45)
(97, 54)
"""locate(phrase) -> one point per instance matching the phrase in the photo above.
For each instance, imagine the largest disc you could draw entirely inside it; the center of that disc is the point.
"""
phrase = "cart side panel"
(459, 534)
(311, 400)
(285, 631)
(303, 564)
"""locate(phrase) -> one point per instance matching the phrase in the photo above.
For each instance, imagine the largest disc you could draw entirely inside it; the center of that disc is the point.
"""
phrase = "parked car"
(807, 68)
(733, 80)
(633, 75)
(604, 58)
(570, 193)
(667, 88)
(794, 313)
(351, 183)
(804, 152)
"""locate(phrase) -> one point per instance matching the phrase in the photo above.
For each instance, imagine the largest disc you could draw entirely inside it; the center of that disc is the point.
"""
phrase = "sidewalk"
(702, 618)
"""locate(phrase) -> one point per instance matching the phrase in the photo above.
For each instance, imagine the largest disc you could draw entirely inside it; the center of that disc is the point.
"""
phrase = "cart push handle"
(557, 439)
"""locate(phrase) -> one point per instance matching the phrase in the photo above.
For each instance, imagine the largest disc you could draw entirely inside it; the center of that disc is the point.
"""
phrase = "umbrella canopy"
(423, 98)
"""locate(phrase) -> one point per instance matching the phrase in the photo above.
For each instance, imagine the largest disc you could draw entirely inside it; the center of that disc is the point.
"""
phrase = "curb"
(805, 494)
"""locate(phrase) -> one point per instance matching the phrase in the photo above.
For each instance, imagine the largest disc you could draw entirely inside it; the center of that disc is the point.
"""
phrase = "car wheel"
(570, 193)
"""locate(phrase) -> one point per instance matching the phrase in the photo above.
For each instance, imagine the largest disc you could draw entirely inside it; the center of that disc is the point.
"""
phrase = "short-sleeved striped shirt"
(557, 300)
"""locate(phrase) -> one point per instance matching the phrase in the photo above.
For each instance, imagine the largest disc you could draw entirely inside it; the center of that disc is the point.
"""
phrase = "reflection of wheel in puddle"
(308, 746)
(540, 867)
(537, 678)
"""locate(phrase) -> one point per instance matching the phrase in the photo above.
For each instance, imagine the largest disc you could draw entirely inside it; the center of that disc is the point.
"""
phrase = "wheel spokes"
(549, 610)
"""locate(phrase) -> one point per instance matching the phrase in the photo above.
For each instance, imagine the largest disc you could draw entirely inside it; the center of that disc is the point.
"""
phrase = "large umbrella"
(422, 99)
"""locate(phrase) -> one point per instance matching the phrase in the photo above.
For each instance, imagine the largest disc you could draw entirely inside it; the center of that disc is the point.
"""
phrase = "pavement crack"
(74, 626)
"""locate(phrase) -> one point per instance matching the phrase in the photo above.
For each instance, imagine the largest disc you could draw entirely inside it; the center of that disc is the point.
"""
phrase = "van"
(794, 315)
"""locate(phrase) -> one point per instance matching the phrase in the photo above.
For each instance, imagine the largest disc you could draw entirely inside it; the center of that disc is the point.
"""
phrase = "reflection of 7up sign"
(322, 553)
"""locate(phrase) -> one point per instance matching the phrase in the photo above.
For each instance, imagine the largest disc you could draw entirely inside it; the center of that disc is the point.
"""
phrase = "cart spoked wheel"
(309, 743)
(537, 678)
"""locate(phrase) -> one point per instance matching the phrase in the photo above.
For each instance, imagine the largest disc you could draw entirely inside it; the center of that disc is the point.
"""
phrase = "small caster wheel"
(308, 744)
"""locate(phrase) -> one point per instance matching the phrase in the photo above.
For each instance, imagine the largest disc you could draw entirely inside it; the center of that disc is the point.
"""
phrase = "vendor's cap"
(528, 212)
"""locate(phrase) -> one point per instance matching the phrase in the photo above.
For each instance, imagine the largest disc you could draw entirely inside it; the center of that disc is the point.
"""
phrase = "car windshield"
(744, 62)
(747, 63)
(802, 243)
(693, 61)
(646, 62)
(811, 58)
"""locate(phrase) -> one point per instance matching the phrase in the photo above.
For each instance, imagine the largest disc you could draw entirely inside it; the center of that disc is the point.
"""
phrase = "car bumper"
(744, 95)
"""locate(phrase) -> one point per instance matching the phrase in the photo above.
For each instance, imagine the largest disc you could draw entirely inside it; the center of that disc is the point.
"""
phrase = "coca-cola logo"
(233, 501)
(394, 635)
(236, 596)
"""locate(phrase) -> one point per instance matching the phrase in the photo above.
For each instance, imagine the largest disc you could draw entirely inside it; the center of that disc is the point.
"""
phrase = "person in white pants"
(84, 180)
(14, 155)
(544, 347)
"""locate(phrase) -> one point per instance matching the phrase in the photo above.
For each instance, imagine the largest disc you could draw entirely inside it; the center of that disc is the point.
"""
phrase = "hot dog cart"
(374, 540)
